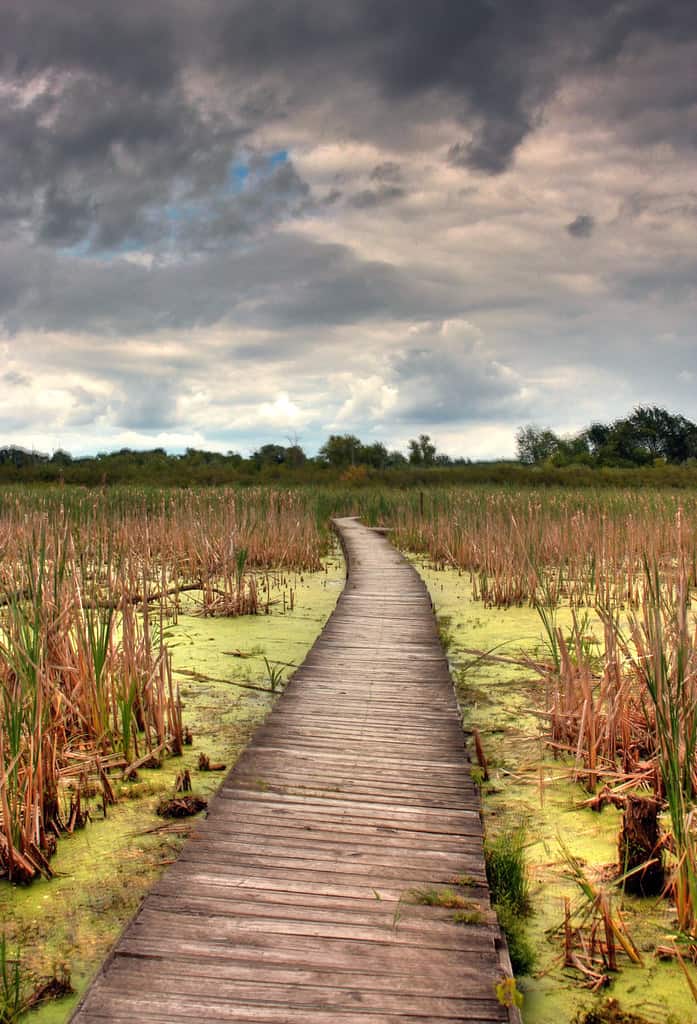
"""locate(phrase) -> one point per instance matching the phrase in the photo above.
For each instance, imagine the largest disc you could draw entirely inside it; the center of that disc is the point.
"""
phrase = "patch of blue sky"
(278, 158)
(241, 170)
(238, 175)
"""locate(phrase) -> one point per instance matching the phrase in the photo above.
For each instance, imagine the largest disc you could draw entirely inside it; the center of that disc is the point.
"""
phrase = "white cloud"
(369, 403)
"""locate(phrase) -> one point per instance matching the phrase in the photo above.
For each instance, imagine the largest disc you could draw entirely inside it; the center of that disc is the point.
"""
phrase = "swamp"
(145, 633)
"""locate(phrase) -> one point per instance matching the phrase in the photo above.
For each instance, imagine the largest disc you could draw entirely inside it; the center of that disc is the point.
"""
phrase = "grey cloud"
(12, 379)
(492, 144)
(388, 172)
(269, 199)
(320, 284)
(666, 205)
(128, 42)
(149, 405)
(582, 226)
(110, 161)
(85, 408)
(447, 383)
(369, 198)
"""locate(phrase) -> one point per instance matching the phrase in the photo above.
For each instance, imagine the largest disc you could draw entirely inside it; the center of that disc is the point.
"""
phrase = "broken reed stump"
(181, 806)
(206, 765)
(639, 846)
(481, 756)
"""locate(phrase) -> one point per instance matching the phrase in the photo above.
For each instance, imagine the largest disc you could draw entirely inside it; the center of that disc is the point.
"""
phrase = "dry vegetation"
(87, 581)
(580, 547)
(620, 685)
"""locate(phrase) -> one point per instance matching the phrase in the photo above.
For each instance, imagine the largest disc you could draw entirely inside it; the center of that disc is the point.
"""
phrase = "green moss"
(103, 870)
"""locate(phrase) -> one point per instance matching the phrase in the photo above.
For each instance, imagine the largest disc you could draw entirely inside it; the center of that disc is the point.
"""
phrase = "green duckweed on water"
(528, 786)
(103, 870)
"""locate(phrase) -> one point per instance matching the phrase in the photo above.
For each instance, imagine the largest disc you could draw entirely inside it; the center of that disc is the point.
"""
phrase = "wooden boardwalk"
(292, 903)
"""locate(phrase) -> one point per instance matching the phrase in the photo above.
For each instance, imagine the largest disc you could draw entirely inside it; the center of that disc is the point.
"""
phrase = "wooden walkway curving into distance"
(293, 902)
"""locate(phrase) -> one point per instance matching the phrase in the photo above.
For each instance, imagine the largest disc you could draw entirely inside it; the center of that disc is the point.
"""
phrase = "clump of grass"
(11, 986)
(19, 993)
(447, 898)
(471, 916)
(510, 893)
(466, 881)
(274, 674)
(445, 631)
(505, 870)
(519, 948)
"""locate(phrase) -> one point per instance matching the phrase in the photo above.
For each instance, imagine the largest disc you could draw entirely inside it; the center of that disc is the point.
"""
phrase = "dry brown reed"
(628, 717)
(87, 584)
(582, 548)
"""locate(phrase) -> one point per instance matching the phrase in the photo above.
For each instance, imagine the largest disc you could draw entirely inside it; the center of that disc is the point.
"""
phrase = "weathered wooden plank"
(404, 983)
(161, 983)
(291, 903)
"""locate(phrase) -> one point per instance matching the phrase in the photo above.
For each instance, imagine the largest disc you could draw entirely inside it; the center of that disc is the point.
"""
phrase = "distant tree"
(422, 452)
(663, 435)
(535, 445)
(20, 457)
(61, 458)
(395, 459)
(277, 455)
(374, 455)
(596, 437)
(341, 450)
(571, 449)
(295, 456)
(269, 454)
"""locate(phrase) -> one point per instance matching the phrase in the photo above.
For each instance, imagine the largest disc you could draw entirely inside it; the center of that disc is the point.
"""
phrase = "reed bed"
(88, 582)
(579, 547)
(84, 692)
(620, 684)
(627, 716)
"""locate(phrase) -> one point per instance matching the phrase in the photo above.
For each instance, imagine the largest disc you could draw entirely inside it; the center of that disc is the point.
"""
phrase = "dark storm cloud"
(268, 198)
(111, 131)
(582, 226)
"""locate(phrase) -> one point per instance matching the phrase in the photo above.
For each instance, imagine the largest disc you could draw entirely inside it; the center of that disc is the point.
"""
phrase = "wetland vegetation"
(137, 620)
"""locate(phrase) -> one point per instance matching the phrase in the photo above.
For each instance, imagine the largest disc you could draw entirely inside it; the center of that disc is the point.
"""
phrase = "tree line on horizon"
(646, 439)
(340, 453)
(650, 435)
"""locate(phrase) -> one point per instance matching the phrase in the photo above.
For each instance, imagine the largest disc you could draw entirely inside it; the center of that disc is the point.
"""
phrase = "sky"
(233, 222)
